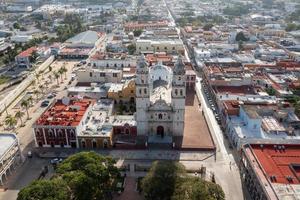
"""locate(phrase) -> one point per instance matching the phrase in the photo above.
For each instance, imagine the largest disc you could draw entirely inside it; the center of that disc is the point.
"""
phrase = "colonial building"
(61, 123)
(160, 101)
(10, 155)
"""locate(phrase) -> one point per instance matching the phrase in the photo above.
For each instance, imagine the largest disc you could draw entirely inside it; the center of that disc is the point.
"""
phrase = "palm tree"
(25, 104)
(42, 87)
(36, 92)
(64, 70)
(30, 99)
(19, 114)
(10, 121)
(60, 72)
(37, 76)
(56, 75)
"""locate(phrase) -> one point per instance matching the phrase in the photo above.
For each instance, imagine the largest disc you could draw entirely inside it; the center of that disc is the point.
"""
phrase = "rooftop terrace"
(64, 112)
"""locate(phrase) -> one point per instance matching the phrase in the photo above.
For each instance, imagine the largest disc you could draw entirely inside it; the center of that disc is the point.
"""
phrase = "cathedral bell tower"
(178, 97)
(142, 98)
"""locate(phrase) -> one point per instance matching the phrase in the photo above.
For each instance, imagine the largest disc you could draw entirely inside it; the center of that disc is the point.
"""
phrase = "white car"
(56, 161)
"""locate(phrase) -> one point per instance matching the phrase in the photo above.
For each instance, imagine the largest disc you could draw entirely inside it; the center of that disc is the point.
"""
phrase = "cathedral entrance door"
(160, 131)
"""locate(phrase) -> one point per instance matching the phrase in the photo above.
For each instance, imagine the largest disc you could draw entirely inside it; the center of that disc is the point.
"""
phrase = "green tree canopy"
(55, 189)
(240, 37)
(160, 181)
(83, 176)
(137, 33)
(169, 181)
(89, 175)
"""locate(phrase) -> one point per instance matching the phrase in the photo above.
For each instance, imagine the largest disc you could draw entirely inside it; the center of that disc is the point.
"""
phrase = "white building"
(169, 46)
(10, 155)
(99, 75)
(160, 101)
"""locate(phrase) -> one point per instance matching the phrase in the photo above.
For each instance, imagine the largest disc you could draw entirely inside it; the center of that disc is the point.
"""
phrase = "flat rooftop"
(196, 133)
(6, 141)
(65, 112)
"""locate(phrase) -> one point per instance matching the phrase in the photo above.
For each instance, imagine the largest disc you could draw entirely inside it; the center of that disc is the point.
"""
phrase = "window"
(140, 91)
(107, 65)
(83, 144)
(102, 74)
(145, 90)
(115, 65)
(115, 74)
(91, 74)
(50, 133)
(181, 92)
(122, 65)
(192, 78)
(94, 144)
(176, 92)
(173, 48)
(159, 116)
(179, 78)
(94, 64)
(166, 48)
(131, 91)
(157, 48)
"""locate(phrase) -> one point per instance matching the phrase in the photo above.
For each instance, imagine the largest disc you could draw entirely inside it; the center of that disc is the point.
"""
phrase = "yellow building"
(122, 92)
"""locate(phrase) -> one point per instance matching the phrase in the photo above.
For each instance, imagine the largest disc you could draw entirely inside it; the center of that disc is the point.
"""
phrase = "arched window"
(72, 134)
(83, 144)
(94, 144)
(159, 116)
(50, 133)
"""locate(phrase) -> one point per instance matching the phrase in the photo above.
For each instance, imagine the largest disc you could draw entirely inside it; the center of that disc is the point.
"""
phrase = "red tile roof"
(279, 163)
(27, 52)
(65, 115)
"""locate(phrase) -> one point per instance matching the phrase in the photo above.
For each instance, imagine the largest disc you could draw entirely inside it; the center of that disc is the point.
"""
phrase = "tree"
(30, 100)
(56, 76)
(137, 33)
(271, 91)
(36, 93)
(10, 121)
(193, 188)
(25, 104)
(207, 27)
(19, 114)
(240, 37)
(169, 181)
(55, 189)
(89, 175)
(160, 181)
(42, 87)
(64, 70)
(240, 45)
(131, 49)
(60, 72)
(16, 25)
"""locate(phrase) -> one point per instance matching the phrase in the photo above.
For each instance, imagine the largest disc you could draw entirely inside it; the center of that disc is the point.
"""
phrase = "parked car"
(56, 160)
(45, 103)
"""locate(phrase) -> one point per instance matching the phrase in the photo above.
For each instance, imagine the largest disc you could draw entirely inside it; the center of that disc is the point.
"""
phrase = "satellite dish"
(66, 101)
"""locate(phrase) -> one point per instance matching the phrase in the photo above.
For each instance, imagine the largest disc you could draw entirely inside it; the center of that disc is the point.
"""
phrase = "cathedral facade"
(160, 100)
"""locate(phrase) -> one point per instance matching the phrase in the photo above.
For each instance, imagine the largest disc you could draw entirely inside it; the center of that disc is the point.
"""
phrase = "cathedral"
(160, 101)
